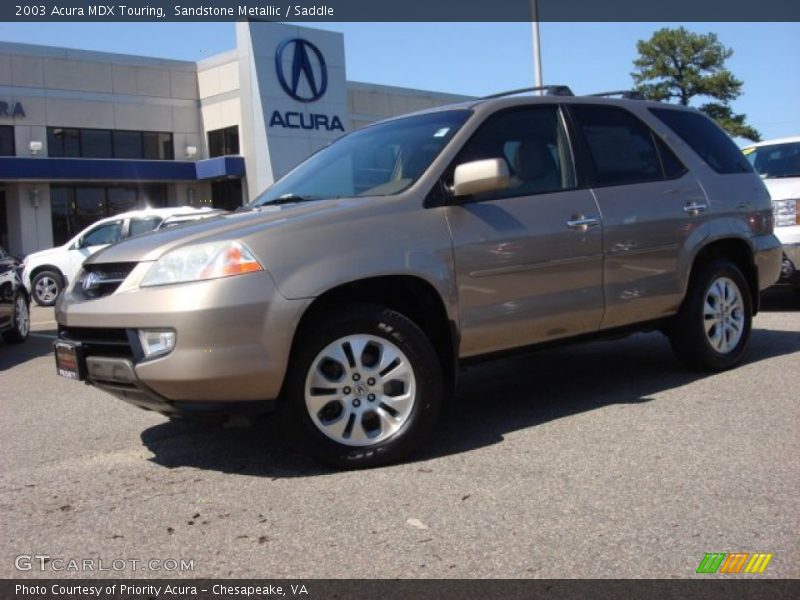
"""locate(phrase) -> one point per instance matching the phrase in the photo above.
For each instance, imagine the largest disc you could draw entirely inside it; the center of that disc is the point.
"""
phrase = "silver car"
(350, 292)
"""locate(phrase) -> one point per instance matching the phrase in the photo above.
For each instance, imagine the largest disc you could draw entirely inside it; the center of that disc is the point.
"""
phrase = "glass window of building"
(60, 200)
(104, 143)
(96, 143)
(157, 146)
(223, 142)
(7, 140)
(122, 199)
(128, 144)
(226, 194)
(63, 142)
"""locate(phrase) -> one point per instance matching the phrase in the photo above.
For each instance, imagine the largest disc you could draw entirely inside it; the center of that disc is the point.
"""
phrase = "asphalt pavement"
(601, 460)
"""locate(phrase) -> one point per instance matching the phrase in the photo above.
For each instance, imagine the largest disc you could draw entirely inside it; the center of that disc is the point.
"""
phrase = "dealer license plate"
(69, 360)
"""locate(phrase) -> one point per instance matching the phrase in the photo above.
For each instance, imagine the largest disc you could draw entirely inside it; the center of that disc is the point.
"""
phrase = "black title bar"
(322, 11)
(383, 589)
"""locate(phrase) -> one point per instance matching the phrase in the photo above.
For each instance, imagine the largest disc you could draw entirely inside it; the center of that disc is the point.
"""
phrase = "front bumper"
(790, 238)
(117, 376)
(790, 269)
(233, 338)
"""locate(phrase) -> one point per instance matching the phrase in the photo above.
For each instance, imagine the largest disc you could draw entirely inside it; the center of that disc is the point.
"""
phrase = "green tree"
(676, 64)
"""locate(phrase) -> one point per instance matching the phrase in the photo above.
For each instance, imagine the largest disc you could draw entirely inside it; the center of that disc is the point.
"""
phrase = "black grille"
(100, 341)
(102, 279)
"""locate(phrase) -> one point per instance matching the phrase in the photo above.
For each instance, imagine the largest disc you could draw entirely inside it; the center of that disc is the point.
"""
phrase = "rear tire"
(712, 328)
(21, 321)
(46, 287)
(364, 388)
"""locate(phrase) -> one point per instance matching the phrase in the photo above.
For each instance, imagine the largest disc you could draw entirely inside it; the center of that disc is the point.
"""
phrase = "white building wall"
(28, 212)
(73, 88)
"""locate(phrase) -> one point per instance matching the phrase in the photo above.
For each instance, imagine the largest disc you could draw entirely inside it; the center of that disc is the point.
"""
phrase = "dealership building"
(85, 135)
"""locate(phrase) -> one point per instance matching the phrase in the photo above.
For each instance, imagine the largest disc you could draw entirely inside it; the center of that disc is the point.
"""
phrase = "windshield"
(378, 160)
(778, 160)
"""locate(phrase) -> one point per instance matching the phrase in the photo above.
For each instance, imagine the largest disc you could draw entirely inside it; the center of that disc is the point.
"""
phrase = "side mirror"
(478, 176)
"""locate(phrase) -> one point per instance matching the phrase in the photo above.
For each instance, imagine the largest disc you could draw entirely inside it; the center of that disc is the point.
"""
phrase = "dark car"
(15, 320)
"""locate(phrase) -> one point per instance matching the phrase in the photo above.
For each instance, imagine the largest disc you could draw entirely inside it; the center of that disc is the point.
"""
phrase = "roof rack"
(549, 90)
(628, 94)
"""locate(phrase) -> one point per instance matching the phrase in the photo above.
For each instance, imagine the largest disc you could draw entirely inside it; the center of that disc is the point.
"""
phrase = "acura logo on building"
(297, 52)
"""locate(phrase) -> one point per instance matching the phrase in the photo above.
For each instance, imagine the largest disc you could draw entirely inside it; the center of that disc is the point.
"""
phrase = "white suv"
(778, 163)
(48, 272)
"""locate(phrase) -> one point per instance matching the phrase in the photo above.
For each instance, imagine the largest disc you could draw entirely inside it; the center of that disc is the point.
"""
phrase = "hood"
(44, 255)
(783, 188)
(152, 246)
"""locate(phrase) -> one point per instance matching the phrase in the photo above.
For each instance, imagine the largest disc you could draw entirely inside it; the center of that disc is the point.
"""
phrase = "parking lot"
(600, 460)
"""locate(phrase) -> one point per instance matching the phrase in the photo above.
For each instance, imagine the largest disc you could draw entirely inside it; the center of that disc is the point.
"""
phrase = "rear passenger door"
(650, 205)
(528, 258)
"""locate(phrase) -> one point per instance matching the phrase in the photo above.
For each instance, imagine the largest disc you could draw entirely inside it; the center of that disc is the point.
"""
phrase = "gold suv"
(350, 291)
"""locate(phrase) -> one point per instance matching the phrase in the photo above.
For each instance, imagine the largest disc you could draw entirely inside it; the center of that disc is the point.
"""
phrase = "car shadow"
(492, 400)
(39, 343)
(780, 298)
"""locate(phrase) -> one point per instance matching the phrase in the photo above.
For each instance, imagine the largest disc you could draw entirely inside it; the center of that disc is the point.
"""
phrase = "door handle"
(693, 208)
(581, 223)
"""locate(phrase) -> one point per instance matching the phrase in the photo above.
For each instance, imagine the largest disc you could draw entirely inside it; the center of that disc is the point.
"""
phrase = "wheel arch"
(740, 252)
(48, 267)
(410, 295)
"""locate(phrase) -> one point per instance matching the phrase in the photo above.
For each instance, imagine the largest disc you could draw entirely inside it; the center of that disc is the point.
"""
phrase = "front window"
(104, 234)
(776, 160)
(379, 160)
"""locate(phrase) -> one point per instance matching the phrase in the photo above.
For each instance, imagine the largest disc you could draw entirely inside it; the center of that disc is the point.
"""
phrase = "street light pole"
(537, 55)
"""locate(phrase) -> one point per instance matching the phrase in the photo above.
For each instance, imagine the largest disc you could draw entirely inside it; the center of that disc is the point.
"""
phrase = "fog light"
(156, 341)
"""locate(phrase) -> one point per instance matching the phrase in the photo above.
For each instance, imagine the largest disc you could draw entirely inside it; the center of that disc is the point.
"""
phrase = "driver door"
(528, 258)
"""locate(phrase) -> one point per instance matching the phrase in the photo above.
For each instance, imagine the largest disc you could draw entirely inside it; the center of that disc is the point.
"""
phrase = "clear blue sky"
(481, 58)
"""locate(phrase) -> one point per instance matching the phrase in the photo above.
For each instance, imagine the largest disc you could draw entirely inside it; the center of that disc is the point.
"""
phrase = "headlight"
(201, 261)
(785, 212)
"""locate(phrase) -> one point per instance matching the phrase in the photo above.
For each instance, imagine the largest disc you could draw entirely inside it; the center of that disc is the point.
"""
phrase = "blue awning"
(25, 168)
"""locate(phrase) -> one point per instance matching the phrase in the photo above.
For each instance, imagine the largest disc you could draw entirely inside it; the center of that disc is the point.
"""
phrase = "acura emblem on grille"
(90, 281)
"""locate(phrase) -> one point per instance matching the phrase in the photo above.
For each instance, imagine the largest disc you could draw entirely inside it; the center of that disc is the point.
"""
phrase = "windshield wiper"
(288, 199)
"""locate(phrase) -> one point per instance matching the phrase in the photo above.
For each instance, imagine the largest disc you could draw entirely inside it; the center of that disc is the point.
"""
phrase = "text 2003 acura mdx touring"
(352, 288)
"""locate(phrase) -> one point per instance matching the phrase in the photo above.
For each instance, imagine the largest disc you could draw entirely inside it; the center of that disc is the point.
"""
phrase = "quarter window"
(706, 138)
(622, 149)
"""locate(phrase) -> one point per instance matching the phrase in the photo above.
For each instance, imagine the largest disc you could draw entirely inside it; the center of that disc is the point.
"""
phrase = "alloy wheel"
(360, 390)
(46, 289)
(723, 315)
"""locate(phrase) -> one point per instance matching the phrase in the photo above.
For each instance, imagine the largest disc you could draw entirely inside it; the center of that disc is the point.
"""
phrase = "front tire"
(364, 388)
(712, 328)
(46, 286)
(21, 321)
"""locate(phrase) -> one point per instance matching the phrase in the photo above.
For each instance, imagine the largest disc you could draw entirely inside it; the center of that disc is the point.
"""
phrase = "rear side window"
(139, 226)
(706, 138)
(622, 148)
